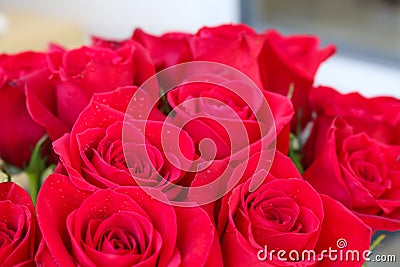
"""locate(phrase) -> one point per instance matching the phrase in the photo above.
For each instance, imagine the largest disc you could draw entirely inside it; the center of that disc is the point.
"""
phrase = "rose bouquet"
(206, 149)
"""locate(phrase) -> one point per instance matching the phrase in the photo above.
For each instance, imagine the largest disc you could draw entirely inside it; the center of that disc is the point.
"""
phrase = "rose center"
(115, 239)
(6, 235)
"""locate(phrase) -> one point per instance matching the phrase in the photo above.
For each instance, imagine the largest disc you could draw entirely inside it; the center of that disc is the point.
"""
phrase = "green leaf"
(37, 163)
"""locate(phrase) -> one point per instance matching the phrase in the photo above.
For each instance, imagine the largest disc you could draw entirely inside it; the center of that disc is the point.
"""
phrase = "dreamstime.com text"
(332, 254)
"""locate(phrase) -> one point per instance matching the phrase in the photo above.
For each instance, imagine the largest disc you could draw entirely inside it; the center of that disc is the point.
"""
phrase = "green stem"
(377, 241)
(374, 244)
(4, 169)
(35, 169)
(34, 179)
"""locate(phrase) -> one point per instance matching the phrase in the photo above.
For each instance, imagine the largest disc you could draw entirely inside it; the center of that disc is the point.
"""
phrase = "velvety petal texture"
(361, 173)
(19, 132)
(95, 155)
(285, 213)
(18, 226)
(166, 50)
(379, 117)
(77, 74)
(214, 112)
(291, 62)
(123, 226)
(186, 167)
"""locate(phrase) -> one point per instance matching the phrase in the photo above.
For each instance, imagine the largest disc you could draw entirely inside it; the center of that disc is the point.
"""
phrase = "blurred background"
(366, 32)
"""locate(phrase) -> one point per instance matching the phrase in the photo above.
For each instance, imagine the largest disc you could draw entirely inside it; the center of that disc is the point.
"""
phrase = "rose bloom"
(122, 227)
(286, 61)
(274, 62)
(18, 226)
(79, 73)
(213, 111)
(361, 173)
(286, 213)
(94, 154)
(379, 117)
(166, 50)
(19, 132)
(235, 45)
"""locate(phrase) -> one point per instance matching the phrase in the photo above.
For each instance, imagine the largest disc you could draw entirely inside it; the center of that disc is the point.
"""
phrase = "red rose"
(19, 132)
(122, 227)
(286, 213)
(238, 46)
(213, 111)
(17, 226)
(94, 153)
(77, 75)
(361, 173)
(235, 45)
(379, 117)
(143, 68)
(292, 60)
(166, 50)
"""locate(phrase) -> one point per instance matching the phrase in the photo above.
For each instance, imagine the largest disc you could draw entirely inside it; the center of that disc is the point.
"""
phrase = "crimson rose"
(286, 213)
(166, 50)
(361, 173)
(19, 132)
(209, 108)
(94, 153)
(379, 117)
(286, 61)
(235, 45)
(122, 226)
(79, 73)
(18, 226)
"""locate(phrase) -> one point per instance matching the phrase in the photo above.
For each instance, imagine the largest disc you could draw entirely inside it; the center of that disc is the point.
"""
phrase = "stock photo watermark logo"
(224, 112)
(340, 253)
